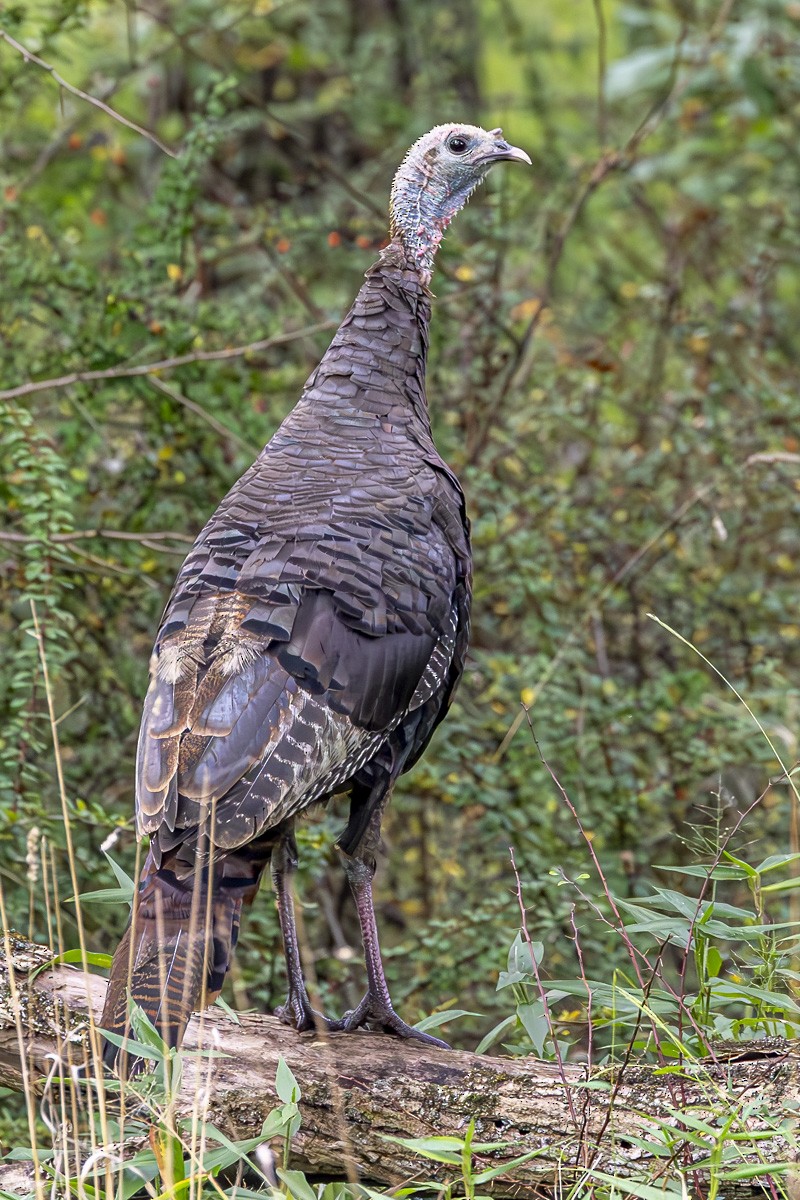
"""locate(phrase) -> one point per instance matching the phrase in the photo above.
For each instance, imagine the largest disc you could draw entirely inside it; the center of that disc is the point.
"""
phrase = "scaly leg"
(376, 1006)
(296, 1010)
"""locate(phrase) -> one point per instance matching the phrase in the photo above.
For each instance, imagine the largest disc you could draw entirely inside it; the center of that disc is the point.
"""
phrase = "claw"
(298, 1013)
(372, 1011)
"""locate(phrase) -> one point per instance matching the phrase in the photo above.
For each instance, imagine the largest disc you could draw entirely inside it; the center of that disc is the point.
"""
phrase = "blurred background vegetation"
(613, 374)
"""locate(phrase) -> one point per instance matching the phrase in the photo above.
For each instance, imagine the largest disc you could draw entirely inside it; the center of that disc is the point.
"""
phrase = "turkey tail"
(174, 955)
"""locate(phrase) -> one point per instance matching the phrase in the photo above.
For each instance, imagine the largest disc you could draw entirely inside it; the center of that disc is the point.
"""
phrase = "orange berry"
(283, 245)
(363, 242)
(334, 238)
(75, 141)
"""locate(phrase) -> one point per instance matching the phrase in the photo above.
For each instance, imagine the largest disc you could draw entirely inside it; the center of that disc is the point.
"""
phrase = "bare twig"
(589, 992)
(199, 411)
(608, 162)
(594, 606)
(543, 995)
(29, 56)
(48, 153)
(772, 456)
(602, 60)
(164, 364)
(77, 535)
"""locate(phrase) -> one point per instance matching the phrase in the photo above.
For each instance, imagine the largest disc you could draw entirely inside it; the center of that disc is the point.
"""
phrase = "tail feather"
(174, 955)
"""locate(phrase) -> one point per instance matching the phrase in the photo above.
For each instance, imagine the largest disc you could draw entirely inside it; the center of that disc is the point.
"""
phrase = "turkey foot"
(376, 1007)
(377, 1010)
(296, 1009)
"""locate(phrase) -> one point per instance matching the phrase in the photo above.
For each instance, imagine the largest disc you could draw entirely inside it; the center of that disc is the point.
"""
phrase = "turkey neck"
(373, 373)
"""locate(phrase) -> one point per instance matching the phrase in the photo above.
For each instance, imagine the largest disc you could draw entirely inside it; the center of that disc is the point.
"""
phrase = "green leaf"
(534, 1022)
(712, 962)
(122, 877)
(441, 1018)
(520, 959)
(496, 1172)
(495, 1034)
(26, 1154)
(285, 1083)
(437, 1149)
(754, 1170)
(720, 871)
(631, 1187)
(230, 1013)
(229, 1151)
(297, 1184)
(773, 861)
(104, 896)
(74, 956)
(144, 1029)
(134, 1048)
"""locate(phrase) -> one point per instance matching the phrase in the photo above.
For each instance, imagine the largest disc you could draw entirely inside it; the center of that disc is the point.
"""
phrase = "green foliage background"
(615, 338)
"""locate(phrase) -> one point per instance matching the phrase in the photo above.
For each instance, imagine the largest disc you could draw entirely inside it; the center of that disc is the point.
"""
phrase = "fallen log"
(358, 1090)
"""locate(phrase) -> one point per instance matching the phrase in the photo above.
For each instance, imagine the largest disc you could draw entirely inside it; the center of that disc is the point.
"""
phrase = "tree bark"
(360, 1089)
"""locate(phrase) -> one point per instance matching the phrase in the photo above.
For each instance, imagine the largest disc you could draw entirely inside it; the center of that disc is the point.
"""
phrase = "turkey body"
(311, 644)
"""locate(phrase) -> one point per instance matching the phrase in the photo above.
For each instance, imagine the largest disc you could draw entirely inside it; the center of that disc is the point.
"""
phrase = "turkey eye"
(457, 145)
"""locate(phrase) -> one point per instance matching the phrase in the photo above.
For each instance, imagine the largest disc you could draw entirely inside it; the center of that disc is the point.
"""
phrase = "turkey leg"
(296, 1010)
(376, 1006)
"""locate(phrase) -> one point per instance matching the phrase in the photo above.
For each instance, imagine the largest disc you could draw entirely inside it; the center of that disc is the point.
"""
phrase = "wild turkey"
(313, 639)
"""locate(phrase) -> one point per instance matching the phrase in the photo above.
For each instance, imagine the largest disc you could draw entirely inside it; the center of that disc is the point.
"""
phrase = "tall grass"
(703, 973)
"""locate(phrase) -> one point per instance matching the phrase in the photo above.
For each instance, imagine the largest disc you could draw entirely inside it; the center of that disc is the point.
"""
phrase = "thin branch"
(48, 152)
(609, 161)
(602, 61)
(29, 56)
(594, 606)
(165, 364)
(199, 411)
(773, 456)
(83, 534)
(543, 995)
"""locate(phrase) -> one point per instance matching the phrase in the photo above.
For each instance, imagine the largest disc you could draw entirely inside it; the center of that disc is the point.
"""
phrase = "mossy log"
(358, 1090)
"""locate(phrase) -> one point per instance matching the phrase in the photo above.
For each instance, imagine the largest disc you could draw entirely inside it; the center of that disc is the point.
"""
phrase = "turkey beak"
(502, 152)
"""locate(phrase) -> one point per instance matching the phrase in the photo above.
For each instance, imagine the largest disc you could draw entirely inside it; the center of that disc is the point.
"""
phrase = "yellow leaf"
(527, 696)
(174, 272)
(526, 308)
(465, 274)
